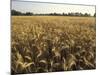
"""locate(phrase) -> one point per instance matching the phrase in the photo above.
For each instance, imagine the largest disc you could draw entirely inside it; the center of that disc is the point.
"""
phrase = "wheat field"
(52, 43)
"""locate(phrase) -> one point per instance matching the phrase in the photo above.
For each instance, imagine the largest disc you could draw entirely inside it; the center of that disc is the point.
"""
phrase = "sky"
(41, 8)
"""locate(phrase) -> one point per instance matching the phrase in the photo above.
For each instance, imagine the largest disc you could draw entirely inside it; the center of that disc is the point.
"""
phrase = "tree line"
(18, 13)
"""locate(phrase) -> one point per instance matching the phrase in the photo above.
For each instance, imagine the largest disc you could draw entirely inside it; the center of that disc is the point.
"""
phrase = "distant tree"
(55, 14)
(14, 12)
(29, 13)
(86, 14)
(94, 14)
(78, 14)
(63, 14)
(81, 14)
(69, 14)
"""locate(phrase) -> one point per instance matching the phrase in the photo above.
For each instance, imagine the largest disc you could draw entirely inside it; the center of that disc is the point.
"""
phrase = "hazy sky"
(25, 6)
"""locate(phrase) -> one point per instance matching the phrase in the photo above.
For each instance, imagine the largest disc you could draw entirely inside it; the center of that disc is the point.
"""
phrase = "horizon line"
(53, 12)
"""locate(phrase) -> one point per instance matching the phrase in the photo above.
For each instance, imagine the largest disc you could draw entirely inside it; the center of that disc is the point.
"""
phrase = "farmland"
(52, 43)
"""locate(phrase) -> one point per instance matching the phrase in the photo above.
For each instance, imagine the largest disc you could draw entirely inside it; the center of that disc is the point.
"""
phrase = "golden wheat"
(52, 43)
